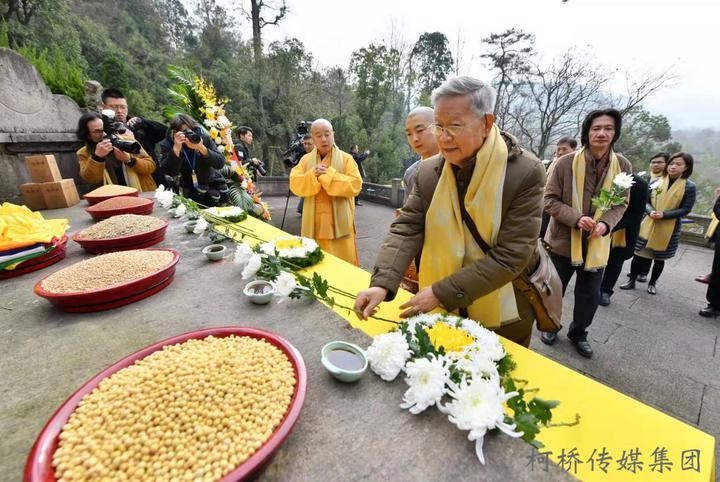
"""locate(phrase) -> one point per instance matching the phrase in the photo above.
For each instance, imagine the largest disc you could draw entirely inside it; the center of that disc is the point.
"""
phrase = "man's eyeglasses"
(451, 130)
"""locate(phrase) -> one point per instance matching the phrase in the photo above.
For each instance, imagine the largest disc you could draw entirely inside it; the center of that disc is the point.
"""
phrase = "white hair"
(482, 96)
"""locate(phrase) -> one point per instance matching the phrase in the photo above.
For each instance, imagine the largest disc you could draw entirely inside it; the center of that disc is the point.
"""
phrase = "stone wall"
(32, 121)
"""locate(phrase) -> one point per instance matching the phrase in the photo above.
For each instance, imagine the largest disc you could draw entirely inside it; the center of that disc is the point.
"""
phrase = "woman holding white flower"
(659, 234)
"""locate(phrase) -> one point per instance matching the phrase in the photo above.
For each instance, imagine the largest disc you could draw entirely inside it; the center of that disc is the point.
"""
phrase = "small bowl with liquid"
(259, 291)
(214, 252)
(190, 226)
(345, 361)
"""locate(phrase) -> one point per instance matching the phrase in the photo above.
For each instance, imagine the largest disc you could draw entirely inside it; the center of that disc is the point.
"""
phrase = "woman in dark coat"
(660, 230)
(712, 309)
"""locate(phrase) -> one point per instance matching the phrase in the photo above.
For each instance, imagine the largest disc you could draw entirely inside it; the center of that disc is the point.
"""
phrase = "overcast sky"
(634, 35)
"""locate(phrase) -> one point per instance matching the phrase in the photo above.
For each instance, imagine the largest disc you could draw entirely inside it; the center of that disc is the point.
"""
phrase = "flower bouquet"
(296, 250)
(463, 369)
(608, 199)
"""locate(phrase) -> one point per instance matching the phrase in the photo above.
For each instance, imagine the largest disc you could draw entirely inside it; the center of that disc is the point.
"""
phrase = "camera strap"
(191, 164)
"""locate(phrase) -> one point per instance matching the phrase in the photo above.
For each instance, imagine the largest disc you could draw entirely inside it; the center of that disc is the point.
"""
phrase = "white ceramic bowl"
(190, 226)
(257, 298)
(344, 375)
(214, 252)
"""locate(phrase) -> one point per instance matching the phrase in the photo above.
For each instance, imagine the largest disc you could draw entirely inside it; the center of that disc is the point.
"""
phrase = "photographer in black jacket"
(254, 165)
(189, 151)
(147, 132)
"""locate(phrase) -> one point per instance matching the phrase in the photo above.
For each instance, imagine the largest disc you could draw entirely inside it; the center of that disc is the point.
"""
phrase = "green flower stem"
(215, 220)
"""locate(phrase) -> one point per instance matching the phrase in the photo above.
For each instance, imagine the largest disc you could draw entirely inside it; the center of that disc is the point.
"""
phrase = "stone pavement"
(656, 349)
(345, 432)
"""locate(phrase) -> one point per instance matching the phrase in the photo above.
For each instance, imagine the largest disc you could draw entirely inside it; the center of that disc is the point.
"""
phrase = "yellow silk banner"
(618, 438)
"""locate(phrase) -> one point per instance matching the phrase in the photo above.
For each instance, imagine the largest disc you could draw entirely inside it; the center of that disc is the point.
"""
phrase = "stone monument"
(32, 121)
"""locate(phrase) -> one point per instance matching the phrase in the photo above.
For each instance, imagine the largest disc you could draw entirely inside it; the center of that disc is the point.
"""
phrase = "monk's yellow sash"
(598, 248)
(449, 246)
(712, 227)
(658, 232)
(342, 210)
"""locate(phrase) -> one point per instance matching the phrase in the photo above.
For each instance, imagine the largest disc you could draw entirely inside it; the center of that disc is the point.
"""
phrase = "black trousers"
(713, 291)
(612, 270)
(587, 294)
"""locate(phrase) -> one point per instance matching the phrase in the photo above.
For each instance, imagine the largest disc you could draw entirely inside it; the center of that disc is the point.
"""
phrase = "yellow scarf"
(598, 249)
(618, 239)
(449, 246)
(658, 232)
(712, 227)
(342, 209)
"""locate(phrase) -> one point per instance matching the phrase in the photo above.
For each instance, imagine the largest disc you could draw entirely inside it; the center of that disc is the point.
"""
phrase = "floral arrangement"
(608, 199)
(467, 377)
(213, 110)
(233, 214)
(297, 250)
(193, 95)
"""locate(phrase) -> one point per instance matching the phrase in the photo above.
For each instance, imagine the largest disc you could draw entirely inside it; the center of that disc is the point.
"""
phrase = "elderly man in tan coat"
(580, 236)
(480, 175)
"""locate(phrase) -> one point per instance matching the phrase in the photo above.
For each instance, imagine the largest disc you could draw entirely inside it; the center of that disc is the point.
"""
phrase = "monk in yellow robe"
(328, 179)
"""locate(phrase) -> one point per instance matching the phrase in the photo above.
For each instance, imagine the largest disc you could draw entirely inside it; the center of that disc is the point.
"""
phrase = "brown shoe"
(703, 279)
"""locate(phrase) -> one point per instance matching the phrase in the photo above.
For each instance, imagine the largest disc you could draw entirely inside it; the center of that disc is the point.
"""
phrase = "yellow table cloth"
(614, 429)
(21, 227)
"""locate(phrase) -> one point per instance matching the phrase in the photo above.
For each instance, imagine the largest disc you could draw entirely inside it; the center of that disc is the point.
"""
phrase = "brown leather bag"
(542, 288)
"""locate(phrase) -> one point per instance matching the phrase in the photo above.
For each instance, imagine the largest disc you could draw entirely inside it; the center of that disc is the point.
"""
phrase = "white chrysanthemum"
(623, 180)
(164, 197)
(655, 184)
(252, 266)
(427, 320)
(487, 342)
(201, 226)
(294, 253)
(285, 284)
(387, 355)
(180, 211)
(641, 173)
(478, 407)
(475, 363)
(268, 249)
(221, 149)
(209, 123)
(244, 184)
(223, 122)
(242, 254)
(427, 379)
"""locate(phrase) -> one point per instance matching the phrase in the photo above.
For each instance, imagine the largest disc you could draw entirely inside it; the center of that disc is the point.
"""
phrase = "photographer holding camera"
(254, 165)
(111, 157)
(189, 151)
(147, 132)
(298, 145)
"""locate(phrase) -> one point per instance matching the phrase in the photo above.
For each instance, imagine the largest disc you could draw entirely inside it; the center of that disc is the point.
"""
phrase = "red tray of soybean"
(143, 206)
(38, 263)
(38, 467)
(114, 296)
(95, 198)
(122, 243)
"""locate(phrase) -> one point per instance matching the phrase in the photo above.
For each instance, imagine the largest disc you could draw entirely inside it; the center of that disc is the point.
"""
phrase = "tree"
(176, 22)
(510, 55)
(371, 87)
(644, 134)
(552, 100)
(432, 61)
(22, 10)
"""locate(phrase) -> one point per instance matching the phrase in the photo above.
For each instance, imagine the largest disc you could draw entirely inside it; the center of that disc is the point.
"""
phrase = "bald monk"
(328, 179)
(421, 140)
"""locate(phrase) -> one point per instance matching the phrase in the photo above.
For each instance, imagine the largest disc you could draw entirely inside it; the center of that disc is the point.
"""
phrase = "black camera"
(192, 136)
(295, 149)
(113, 128)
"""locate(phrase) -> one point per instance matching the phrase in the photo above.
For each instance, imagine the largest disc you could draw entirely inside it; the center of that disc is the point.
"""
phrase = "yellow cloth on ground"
(329, 208)
(658, 232)
(598, 248)
(618, 239)
(712, 227)
(449, 246)
(21, 227)
(610, 420)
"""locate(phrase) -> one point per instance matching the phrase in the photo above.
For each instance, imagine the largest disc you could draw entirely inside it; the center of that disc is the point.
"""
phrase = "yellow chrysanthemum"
(214, 133)
(451, 338)
(289, 243)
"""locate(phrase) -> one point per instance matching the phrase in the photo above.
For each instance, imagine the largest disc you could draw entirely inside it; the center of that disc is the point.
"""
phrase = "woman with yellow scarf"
(671, 198)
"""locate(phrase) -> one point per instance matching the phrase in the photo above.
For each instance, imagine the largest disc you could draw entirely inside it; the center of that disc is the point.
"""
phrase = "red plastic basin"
(38, 467)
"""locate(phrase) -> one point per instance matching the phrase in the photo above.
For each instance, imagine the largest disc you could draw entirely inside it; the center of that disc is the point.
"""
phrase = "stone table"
(345, 432)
